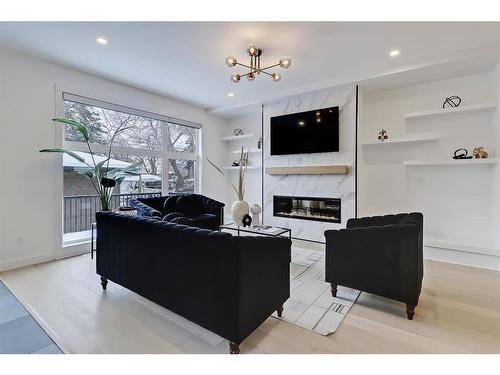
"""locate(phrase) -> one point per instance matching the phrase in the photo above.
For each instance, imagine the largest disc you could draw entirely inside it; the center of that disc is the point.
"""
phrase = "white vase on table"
(238, 210)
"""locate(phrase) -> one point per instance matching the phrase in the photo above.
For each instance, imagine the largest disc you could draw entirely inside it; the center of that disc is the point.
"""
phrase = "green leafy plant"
(102, 178)
(243, 163)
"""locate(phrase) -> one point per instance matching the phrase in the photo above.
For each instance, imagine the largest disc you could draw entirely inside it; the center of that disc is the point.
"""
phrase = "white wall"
(31, 186)
(456, 200)
(496, 184)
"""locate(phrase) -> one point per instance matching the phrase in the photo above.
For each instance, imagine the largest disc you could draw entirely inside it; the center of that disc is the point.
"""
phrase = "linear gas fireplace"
(307, 208)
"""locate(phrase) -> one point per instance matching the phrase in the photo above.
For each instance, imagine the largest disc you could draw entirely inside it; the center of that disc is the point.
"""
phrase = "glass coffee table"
(264, 230)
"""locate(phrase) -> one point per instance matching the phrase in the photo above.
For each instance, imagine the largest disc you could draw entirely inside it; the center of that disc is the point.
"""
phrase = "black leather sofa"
(381, 255)
(228, 285)
(188, 209)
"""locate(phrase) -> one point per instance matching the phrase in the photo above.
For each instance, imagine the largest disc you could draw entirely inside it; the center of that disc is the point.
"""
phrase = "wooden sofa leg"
(104, 282)
(334, 290)
(410, 311)
(234, 348)
(279, 311)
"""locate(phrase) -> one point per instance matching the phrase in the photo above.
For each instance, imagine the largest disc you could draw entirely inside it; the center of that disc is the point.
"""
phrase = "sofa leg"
(234, 348)
(334, 290)
(410, 311)
(279, 311)
(104, 282)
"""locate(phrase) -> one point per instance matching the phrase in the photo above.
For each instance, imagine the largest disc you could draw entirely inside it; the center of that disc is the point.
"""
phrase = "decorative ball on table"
(247, 220)
(452, 101)
(237, 131)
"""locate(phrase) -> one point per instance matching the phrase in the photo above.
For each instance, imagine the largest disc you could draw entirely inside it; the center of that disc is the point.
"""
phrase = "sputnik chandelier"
(255, 68)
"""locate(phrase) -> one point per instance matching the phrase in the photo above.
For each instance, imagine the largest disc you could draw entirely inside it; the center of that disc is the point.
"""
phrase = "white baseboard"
(24, 262)
(464, 258)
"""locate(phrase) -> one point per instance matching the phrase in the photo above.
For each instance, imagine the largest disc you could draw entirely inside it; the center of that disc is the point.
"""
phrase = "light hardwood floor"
(459, 312)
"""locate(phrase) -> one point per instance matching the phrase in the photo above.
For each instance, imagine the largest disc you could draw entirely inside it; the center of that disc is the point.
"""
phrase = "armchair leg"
(104, 282)
(279, 311)
(410, 311)
(334, 290)
(234, 348)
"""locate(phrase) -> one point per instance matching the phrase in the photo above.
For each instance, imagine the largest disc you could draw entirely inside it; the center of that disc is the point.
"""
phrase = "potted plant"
(102, 178)
(240, 207)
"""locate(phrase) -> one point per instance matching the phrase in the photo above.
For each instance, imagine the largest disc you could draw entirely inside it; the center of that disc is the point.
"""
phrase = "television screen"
(306, 132)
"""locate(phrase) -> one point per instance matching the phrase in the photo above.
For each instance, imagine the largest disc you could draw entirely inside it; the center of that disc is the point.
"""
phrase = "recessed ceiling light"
(230, 94)
(394, 53)
(101, 40)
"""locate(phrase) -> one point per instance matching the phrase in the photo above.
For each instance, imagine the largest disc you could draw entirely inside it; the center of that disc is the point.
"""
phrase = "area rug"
(311, 305)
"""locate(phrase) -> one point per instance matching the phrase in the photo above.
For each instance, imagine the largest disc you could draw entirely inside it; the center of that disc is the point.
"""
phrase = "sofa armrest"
(144, 210)
(385, 260)
(375, 221)
(263, 279)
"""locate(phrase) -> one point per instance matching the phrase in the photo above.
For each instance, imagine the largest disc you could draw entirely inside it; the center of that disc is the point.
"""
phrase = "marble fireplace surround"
(341, 186)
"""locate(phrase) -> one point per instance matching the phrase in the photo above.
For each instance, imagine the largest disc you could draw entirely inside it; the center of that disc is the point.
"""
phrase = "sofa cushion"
(187, 205)
(184, 221)
(170, 204)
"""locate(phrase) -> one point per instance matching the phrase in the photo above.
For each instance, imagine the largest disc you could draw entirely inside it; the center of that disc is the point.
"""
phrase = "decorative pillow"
(171, 216)
(170, 203)
(187, 205)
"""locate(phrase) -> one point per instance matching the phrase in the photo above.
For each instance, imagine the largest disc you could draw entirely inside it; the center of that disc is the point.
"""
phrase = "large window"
(166, 148)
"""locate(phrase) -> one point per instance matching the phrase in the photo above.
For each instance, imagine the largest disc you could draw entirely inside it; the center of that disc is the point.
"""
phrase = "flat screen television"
(306, 132)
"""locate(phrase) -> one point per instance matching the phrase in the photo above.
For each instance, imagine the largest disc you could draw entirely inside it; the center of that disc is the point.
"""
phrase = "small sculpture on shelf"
(256, 210)
(452, 101)
(383, 135)
(236, 163)
(259, 143)
(238, 132)
(461, 153)
(480, 153)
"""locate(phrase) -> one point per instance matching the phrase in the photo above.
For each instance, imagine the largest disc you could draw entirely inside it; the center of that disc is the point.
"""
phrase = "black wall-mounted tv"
(306, 132)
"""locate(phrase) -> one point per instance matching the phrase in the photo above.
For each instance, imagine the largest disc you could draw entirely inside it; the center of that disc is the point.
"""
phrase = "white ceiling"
(186, 60)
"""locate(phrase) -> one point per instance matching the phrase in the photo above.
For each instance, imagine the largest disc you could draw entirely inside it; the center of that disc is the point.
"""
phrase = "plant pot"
(238, 210)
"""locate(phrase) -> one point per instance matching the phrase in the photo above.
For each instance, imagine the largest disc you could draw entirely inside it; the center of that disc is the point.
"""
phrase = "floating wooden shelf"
(451, 162)
(235, 137)
(403, 140)
(447, 111)
(314, 169)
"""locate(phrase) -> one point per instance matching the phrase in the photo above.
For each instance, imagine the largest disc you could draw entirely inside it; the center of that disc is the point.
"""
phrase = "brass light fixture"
(255, 68)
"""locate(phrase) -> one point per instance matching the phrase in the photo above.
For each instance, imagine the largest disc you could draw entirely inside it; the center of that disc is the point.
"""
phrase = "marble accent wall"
(335, 186)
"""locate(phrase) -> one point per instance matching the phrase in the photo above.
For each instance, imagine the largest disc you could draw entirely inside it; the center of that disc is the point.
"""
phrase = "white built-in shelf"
(231, 168)
(424, 138)
(236, 137)
(440, 244)
(252, 150)
(446, 111)
(489, 161)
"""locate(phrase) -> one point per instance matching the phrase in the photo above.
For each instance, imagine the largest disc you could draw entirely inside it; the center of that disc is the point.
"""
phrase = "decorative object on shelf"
(247, 221)
(259, 143)
(103, 178)
(236, 163)
(383, 135)
(452, 101)
(255, 67)
(461, 153)
(256, 210)
(480, 153)
(238, 132)
(239, 208)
